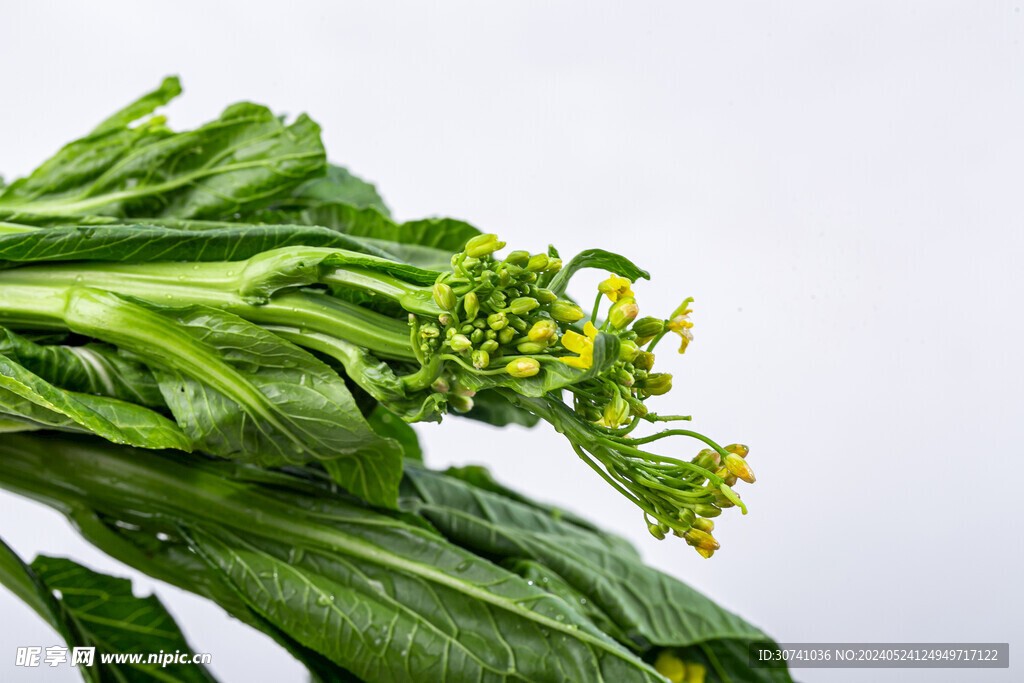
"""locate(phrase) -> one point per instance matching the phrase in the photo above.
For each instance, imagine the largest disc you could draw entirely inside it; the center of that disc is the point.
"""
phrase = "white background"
(838, 184)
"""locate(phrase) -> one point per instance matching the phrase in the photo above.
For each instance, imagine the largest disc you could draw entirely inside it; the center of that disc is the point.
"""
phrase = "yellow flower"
(615, 288)
(680, 324)
(581, 344)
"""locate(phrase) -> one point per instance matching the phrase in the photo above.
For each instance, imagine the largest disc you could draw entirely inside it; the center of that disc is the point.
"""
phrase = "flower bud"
(517, 323)
(537, 263)
(658, 383)
(523, 367)
(497, 321)
(739, 467)
(704, 524)
(523, 305)
(737, 448)
(482, 245)
(687, 517)
(647, 329)
(616, 412)
(506, 335)
(518, 257)
(542, 331)
(430, 331)
(476, 336)
(554, 265)
(706, 554)
(708, 459)
(701, 539)
(644, 360)
(628, 350)
(566, 312)
(444, 296)
(623, 312)
(481, 359)
(497, 299)
(490, 346)
(504, 278)
(530, 347)
(460, 404)
(545, 296)
(460, 342)
(472, 305)
(656, 531)
(707, 510)
(444, 319)
(440, 385)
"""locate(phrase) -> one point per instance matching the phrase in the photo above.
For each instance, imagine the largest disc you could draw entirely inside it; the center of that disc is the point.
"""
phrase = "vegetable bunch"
(234, 337)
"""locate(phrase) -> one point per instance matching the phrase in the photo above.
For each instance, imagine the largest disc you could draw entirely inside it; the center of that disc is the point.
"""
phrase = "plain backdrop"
(839, 185)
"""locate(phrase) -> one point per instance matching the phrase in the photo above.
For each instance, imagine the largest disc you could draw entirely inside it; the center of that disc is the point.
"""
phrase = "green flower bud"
(497, 321)
(566, 312)
(523, 305)
(490, 346)
(481, 359)
(644, 360)
(628, 350)
(518, 257)
(542, 331)
(506, 335)
(430, 331)
(657, 383)
(545, 296)
(589, 411)
(460, 404)
(504, 278)
(444, 319)
(707, 510)
(554, 265)
(523, 367)
(531, 347)
(497, 299)
(656, 531)
(460, 342)
(482, 245)
(622, 377)
(477, 336)
(490, 334)
(517, 323)
(708, 459)
(537, 263)
(529, 277)
(440, 385)
(722, 501)
(444, 296)
(623, 312)
(647, 329)
(467, 328)
(616, 412)
(704, 524)
(687, 517)
(472, 305)
(479, 324)
(739, 467)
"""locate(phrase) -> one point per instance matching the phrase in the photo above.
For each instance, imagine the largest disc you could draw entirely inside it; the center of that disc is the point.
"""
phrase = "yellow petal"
(590, 330)
(575, 342)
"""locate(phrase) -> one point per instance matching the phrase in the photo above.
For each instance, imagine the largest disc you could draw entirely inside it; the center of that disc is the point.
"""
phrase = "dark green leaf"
(92, 369)
(239, 162)
(338, 186)
(596, 258)
(28, 397)
(492, 408)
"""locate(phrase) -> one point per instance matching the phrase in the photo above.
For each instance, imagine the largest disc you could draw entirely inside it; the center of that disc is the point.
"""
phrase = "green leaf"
(88, 609)
(243, 393)
(596, 258)
(338, 186)
(91, 368)
(386, 423)
(106, 615)
(181, 241)
(239, 162)
(385, 599)
(28, 397)
(649, 608)
(145, 105)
